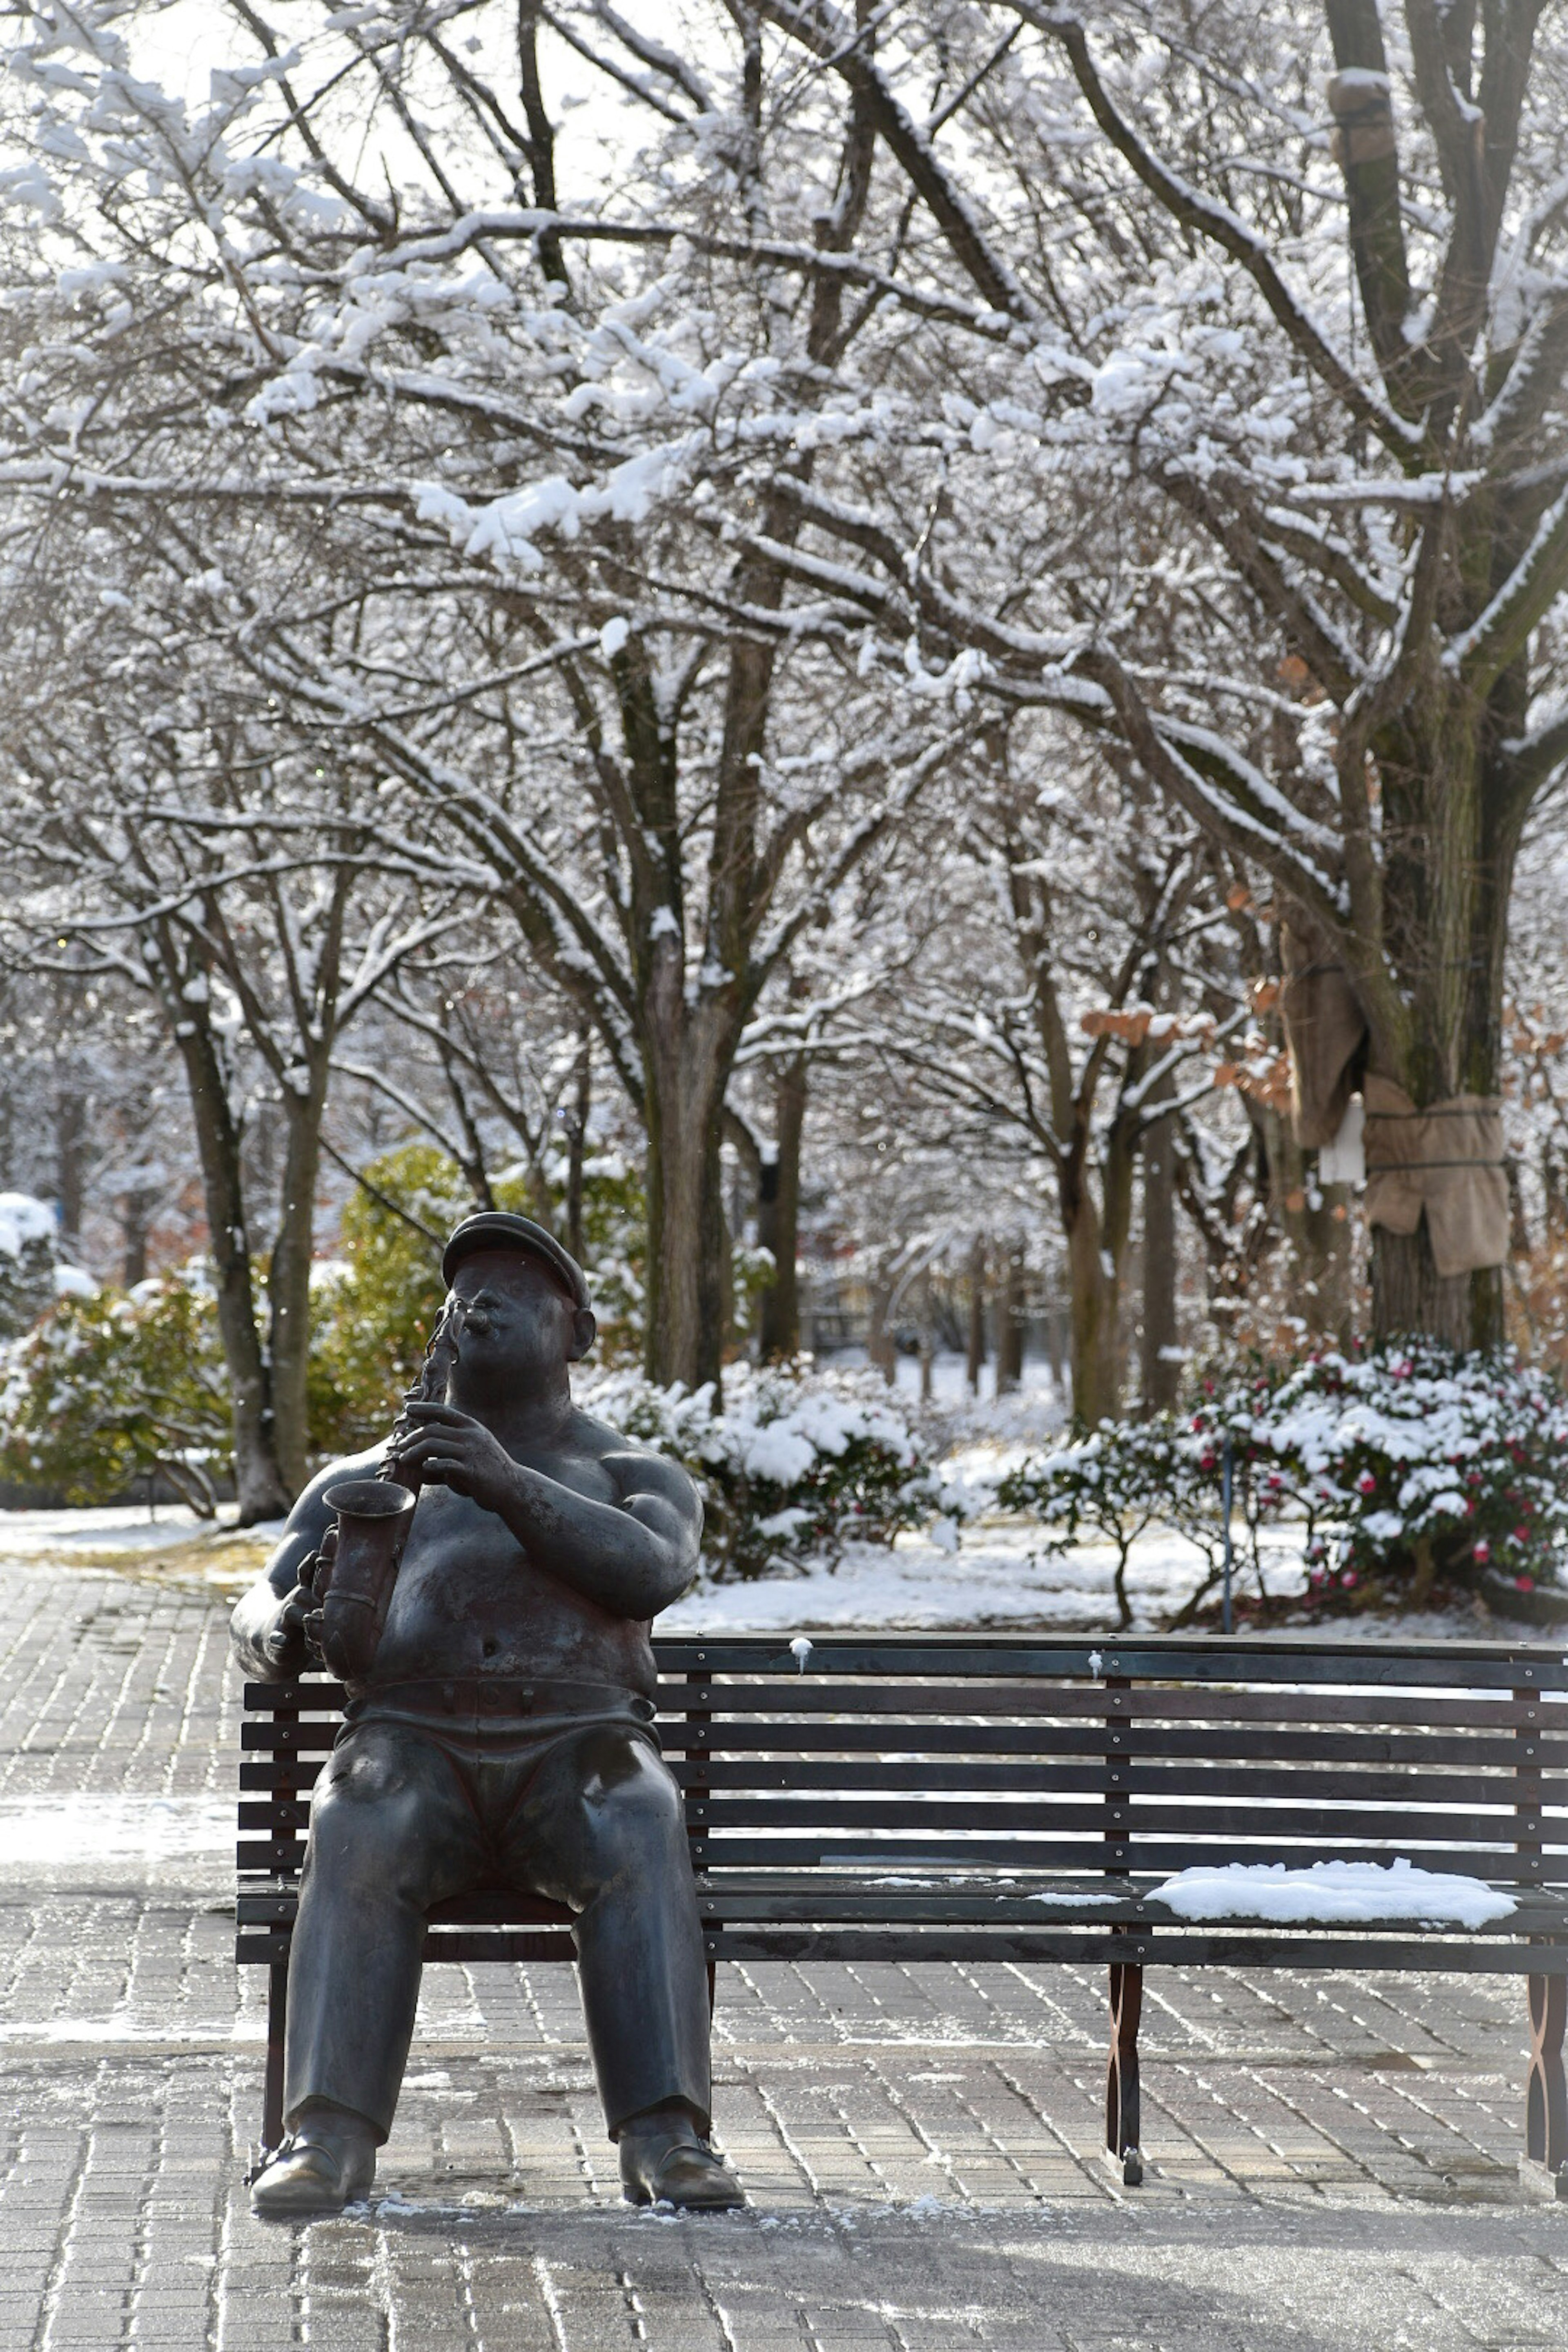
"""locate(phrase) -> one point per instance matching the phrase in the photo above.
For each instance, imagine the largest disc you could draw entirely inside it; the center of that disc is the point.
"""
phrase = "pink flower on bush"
(1348, 1578)
(1366, 1484)
(1482, 1552)
(1524, 1583)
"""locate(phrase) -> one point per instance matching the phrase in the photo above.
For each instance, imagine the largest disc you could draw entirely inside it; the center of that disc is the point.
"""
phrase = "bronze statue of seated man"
(501, 1737)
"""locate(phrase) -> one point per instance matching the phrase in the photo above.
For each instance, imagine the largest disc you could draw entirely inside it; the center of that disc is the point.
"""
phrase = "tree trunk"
(880, 1344)
(975, 1354)
(1318, 1242)
(136, 1213)
(288, 1286)
(577, 1145)
(778, 1217)
(1010, 1325)
(1410, 1297)
(1096, 1308)
(70, 1136)
(261, 1487)
(1160, 1368)
(686, 1231)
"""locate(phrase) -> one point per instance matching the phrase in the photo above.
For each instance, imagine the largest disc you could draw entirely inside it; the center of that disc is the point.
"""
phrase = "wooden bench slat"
(1285, 1817)
(1266, 1741)
(1166, 1854)
(1209, 1696)
(1234, 1948)
(902, 1715)
(1198, 1658)
(1141, 1774)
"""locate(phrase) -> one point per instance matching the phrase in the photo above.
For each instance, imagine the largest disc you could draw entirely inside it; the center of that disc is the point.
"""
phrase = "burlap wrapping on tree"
(1325, 1029)
(1447, 1161)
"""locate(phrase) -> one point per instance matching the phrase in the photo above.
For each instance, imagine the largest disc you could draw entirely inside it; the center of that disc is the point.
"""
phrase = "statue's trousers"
(417, 1805)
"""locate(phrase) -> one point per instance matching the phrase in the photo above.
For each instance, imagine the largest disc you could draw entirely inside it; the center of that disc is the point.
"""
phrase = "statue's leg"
(392, 1832)
(602, 1828)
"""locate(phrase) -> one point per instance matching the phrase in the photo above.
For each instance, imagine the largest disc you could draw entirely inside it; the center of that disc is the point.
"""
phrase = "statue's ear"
(584, 1331)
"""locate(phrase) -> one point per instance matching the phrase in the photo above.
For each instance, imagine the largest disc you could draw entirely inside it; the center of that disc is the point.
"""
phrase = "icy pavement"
(1332, 2161)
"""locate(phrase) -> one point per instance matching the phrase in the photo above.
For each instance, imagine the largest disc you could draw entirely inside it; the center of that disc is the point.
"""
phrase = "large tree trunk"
(261, 1489)
(1160, 1371)
(1455, 811)
(1410, 1297)
(778, 1217)
(686, 1063)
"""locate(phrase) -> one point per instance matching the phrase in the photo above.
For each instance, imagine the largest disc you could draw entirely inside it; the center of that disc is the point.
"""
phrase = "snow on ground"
(118, 1527)
(1001, 1574)
(123, 1832)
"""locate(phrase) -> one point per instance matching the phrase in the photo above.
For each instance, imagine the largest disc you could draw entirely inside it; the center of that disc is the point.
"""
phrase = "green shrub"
(105, 1390)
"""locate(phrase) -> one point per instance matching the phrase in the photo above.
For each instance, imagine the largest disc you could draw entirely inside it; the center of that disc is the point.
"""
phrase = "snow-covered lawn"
(998, 1572)
(118, 1527)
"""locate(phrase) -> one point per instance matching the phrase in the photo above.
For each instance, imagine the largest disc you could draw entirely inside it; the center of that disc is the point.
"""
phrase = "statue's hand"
(449, 1449)
(285, 1643)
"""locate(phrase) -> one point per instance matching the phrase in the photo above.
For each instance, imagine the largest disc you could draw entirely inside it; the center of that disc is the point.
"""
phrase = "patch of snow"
(74, 1282)
(1359, 1890)
(66, 1832)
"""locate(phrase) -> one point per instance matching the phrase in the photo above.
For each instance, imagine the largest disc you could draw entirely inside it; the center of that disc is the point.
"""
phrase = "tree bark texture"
(974, 1351)
(778, 1217)
(1010, 1324)
(1160, 1369)
(261, 1487)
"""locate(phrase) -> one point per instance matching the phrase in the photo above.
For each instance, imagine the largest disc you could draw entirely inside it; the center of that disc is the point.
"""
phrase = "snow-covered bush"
(26, 1261)
(1405, 1462)
(1397, 1467)
(791, 1466)
(1113, 1485)
(106, 1390)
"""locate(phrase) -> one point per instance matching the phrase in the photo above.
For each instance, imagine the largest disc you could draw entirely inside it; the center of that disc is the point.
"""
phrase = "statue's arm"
(267, 1627)
(632, 1556)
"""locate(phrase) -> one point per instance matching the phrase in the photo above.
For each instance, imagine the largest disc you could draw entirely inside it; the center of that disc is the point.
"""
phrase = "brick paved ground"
(1333, 2160)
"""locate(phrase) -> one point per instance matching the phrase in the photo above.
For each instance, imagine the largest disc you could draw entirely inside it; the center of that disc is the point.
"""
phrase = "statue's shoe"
(658, 2171)
(312, 2175)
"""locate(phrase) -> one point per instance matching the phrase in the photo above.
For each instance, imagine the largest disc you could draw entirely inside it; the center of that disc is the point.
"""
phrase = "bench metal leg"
(712, 1987)
(1546, 2109)
(1122, 2077)
(276, 2027)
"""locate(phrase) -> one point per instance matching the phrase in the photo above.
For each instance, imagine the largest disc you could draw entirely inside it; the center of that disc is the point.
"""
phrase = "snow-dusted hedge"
(792, 1466)
(105, 1390)
(1399, 1466)
(1407, 1459)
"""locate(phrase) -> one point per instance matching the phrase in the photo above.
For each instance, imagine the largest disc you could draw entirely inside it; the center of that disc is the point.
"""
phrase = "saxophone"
(356, 1567)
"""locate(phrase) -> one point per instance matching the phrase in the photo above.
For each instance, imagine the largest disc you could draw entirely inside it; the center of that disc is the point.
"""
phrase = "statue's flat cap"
(499, 1229)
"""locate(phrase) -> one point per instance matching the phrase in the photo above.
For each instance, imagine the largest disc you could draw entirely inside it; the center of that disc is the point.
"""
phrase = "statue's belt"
(498, 1697)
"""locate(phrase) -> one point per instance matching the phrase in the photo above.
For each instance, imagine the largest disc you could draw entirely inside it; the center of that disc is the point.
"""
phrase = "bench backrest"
(1012, 1753)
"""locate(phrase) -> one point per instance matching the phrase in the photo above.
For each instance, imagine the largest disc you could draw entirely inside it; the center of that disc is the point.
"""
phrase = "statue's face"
(514, 1326)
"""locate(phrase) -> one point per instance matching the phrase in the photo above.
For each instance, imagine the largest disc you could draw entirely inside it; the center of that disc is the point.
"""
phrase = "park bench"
(1019, 1798)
